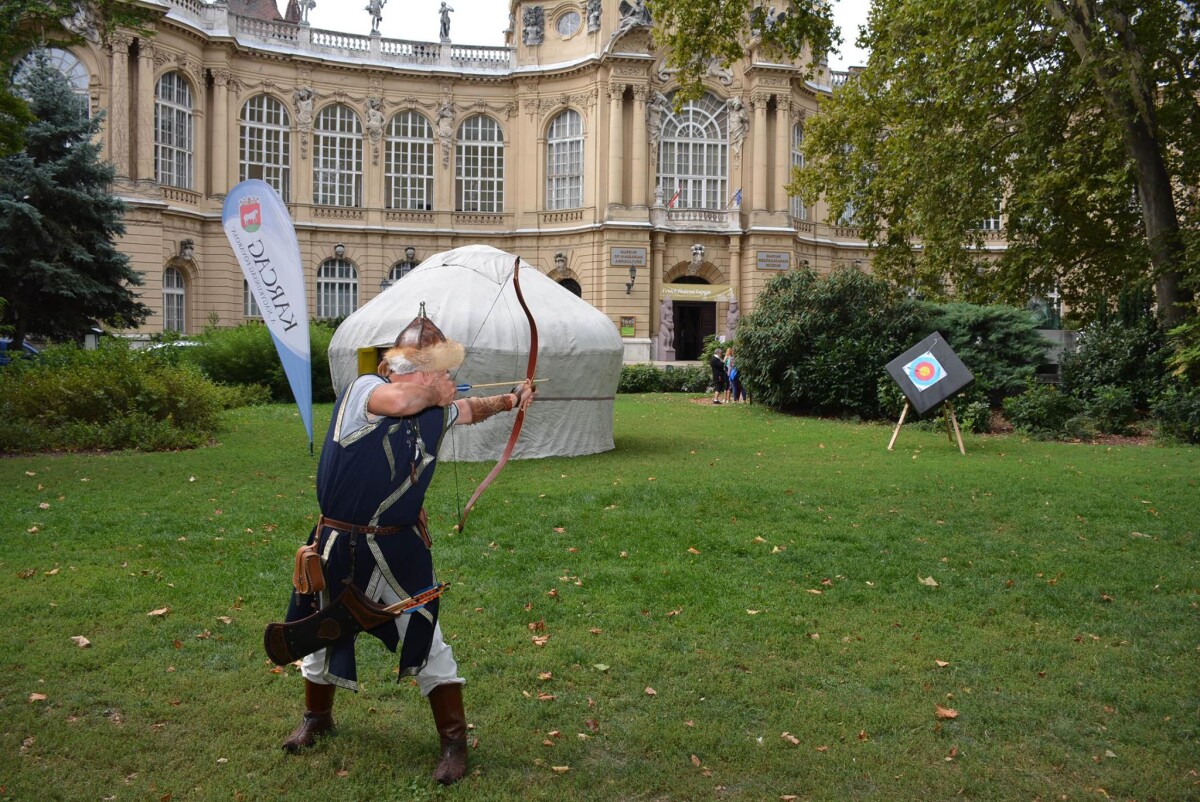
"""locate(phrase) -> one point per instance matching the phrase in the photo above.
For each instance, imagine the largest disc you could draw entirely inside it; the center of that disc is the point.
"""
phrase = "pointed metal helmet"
(421, 346)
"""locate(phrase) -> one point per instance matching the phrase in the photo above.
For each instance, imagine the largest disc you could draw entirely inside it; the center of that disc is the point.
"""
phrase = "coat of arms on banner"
(250, 212)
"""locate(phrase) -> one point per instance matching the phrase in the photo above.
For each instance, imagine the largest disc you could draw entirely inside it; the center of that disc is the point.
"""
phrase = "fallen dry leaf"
(760, 539)
(928, 581)
(540, 640)
(822, 748)
(815, 592)
(953, 753)
(37, 697)
(160, 611)
(559, 529)
(650, 691)
(44, 506)
(753, 612)
(943, 713)
(342, 773)
(52, 572)
(788, 798)
(940, 663)
(591, 724)
(862, 735)
(693, 550)
(560, 769)
(546, 697)
(545, 675)
(695, 761)
(224, 619)
(792, 739)
(81, 641)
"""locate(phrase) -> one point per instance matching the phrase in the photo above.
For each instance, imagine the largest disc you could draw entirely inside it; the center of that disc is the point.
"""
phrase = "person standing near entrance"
(720, 376)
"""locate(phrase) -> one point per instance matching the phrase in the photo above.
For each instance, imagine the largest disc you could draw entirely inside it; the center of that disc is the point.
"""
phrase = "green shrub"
(976, 417)
(109, 398)
(819, 344)
(246, 355)
(1112, 410)
(1177, 411)
(653, 379)
(998, 344)
(1130, 355)
(1043, 411)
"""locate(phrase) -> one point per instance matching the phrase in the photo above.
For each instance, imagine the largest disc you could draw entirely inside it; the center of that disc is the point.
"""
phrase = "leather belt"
(351, 528)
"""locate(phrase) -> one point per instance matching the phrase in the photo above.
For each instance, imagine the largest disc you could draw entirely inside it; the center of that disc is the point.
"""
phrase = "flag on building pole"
(264, 241)
(674, 198)
(736, 202)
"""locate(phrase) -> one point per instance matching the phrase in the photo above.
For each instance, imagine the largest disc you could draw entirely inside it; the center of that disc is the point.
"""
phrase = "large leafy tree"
(1078, 118)
(25, 24)
(60, 269)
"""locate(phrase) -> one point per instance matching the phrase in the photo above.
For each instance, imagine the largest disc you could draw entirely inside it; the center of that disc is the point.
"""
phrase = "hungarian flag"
(674, 199)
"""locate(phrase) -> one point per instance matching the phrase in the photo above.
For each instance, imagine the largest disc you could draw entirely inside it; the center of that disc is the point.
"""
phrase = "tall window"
(693, 154)
(249, 302)
(173, 139)
(174, 300)
(337, 157)
(337, 288)
(266, 143)
(564, 162)
(408, 163)
(993, 223)
(479, 166)
(797, 205)
(66, 63)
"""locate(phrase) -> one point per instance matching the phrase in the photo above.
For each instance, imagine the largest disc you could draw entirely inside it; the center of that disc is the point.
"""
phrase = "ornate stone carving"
(375, 126)
(594, 12)
(715, 69)
(533, 26)
(445, 129)
(738, 120)
(634, 14)
(304, 97)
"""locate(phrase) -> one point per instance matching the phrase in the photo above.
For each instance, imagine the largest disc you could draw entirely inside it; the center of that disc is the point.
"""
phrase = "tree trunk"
(1131, 101)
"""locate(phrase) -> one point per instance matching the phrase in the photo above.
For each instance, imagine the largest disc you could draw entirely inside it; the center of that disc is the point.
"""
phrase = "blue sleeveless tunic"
(374, 471)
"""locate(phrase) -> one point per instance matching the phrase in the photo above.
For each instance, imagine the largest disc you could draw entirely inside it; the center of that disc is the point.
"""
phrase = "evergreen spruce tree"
(60, 269)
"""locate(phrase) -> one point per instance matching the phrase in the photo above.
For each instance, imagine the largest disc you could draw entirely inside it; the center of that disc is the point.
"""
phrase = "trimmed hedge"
(111, 398)
(653, 379)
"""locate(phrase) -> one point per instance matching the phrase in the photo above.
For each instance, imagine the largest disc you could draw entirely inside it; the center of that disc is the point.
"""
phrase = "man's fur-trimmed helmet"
(421, 346)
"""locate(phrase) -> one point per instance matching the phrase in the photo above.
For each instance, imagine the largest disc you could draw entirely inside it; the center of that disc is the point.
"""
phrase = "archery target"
(925, 371)
(928, 373)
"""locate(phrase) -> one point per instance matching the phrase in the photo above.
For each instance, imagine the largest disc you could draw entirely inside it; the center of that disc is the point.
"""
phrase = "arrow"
(462, 388)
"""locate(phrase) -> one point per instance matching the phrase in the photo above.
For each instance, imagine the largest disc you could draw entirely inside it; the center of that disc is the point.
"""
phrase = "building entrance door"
(694, 320)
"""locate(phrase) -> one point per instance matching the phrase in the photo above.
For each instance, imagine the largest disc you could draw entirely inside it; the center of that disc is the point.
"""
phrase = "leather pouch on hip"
(308, 577)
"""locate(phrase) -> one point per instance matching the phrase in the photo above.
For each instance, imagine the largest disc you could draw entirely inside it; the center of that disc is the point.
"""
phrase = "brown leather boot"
(447, 704)
(318, 717)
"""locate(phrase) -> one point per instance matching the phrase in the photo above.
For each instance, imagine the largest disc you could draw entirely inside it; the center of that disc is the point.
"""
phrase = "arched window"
(174, 300)
(337, 288)
(266, 143)
(797, 205)
(249, 302)
(408, 163)
(479, 166)
(337, 157)
(564, 161)
(693, 154)
(173, 138)
(66, 63)
(571, 285)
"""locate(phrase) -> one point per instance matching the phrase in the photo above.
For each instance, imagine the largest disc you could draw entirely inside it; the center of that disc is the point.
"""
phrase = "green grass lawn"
(740, 605)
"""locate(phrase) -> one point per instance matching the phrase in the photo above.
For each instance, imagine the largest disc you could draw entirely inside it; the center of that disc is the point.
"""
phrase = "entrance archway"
(694, 320)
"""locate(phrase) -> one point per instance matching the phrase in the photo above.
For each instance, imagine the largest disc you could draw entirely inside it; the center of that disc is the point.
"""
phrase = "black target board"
(929, 373)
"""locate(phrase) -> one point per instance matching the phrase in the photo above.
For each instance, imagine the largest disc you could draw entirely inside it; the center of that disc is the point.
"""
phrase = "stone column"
(145, 112)
(117, 124)
(759, 203)
(783, 151)
(221, 134)
(616, 143)
(641, 175)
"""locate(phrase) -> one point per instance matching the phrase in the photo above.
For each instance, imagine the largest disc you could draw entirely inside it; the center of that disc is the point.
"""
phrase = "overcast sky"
(482, 22)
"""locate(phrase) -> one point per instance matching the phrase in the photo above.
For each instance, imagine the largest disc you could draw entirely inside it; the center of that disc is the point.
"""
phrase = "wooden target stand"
(951, 421)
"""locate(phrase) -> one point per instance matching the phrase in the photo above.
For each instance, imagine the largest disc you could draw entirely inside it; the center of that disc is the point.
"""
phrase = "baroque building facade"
(563, 146)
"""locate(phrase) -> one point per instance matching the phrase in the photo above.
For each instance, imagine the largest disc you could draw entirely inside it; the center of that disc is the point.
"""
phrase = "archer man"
(367, 564)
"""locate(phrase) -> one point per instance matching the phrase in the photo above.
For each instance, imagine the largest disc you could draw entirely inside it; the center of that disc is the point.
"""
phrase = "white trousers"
(440, 668)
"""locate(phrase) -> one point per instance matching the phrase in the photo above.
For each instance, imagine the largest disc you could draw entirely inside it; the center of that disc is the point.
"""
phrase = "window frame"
(337, 295)
(479, 166)
(174, 131)
(271, 128)
(337, 154)
(564, 161)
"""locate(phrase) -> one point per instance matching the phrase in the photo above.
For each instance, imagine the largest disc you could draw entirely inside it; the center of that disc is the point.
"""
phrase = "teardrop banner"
(929, 373)
(264, 240)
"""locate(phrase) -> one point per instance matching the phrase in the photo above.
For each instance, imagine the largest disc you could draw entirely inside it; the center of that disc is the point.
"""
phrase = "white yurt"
(468, 293)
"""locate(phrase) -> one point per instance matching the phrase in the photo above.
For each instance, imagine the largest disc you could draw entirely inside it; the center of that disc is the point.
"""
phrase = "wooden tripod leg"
(962, 449)
(903, 412)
